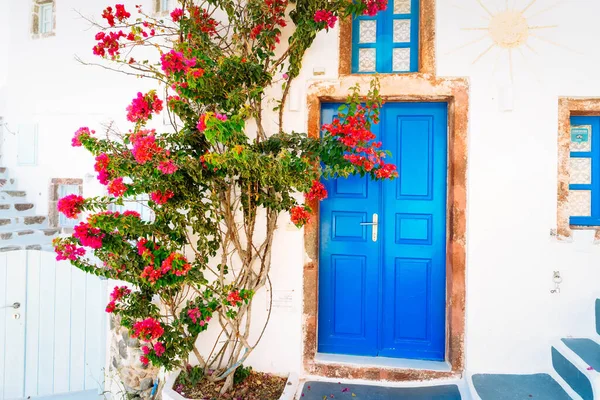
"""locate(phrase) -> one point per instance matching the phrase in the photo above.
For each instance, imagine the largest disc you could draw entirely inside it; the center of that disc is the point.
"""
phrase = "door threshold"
(383, 362)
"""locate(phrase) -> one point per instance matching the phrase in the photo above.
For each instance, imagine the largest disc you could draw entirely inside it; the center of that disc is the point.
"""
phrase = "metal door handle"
(14, 305)
(374, 224)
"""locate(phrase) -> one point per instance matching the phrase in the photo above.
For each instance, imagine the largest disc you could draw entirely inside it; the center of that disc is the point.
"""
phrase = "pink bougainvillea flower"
(197, 72)
(176, 264)
(176, 14)
(144, 146)
(147, 330)
(317, 191)
(81, 133)
(144, 360)
(299, 216)
(119, 292)
(175, 61)
(68, 251)
(88, 236)
(167, 167)
(110, 307)
(234, 297)
(102, 161)
(374, 6)
(221, 117)
(130, 213)
(103, 177)
(117, 188)
(151, 274)
(386, 171)
(285, 76)
(327, 17)
(108, 15)
(160, 197)
(194, 314)
(201, 126)
(145, 350)
(121, 13)
(108, 43)
(159, 349)
(142, 247)
(142, 107)
(71, 205)
(101, 166)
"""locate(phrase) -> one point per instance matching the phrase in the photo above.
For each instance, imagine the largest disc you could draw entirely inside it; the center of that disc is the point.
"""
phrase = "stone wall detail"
(136, 379)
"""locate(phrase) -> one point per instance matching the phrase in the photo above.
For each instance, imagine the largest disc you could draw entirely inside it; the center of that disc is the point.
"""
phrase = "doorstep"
(382, 362)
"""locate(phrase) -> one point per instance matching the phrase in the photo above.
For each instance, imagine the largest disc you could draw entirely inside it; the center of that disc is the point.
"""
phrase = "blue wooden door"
(385, 295)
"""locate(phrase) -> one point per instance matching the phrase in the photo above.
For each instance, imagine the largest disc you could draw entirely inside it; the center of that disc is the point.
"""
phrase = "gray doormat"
(341, 391)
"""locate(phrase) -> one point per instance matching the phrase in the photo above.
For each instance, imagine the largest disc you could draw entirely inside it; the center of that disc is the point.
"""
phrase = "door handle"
(374, 224)
(14, 305)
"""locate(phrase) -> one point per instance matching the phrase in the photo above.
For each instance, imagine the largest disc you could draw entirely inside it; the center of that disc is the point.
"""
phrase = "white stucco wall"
(511, 316)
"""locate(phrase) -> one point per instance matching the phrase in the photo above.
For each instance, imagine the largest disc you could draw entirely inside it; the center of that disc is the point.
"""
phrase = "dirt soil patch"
(257, 386)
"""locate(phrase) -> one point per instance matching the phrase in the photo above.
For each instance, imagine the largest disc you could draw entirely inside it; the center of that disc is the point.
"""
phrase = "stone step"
(21, 208)
(509, 387)
(8, 183)
(577, 362)
(28, 236)
(43, 247)
(22, 222)
(13, 196)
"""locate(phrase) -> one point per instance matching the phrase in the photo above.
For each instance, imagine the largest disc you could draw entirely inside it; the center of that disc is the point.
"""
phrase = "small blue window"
(584, 172)
(389, 41)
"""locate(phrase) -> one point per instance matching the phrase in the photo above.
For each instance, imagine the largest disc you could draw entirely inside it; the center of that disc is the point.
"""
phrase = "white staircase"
(20, 227)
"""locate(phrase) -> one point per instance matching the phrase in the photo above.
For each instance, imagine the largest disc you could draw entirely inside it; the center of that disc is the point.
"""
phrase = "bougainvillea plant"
(218, 179)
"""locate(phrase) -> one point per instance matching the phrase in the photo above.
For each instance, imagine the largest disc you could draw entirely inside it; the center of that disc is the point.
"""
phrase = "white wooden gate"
(53, 341)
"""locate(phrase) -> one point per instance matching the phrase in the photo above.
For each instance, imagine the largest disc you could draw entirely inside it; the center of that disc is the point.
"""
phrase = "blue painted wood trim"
(385, 39)
(594, 219)
(572, 375)
(598, 316)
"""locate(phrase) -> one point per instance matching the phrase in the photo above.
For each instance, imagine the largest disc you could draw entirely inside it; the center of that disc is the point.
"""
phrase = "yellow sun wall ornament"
(509, 29)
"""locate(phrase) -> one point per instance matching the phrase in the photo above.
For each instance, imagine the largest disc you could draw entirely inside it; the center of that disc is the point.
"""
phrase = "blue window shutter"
(384, 45)
(27, 144)
(594, 187)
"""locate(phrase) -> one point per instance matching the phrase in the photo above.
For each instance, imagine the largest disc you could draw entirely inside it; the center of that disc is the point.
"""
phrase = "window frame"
(42, 23)
(162, 7)
(38, 25)
(385, 23)
(594, 187)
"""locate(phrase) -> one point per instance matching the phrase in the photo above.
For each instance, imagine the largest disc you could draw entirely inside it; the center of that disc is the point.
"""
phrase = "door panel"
(414, 232)
(349, 269)
(12, 336)
(57, 346)
(387, 298)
